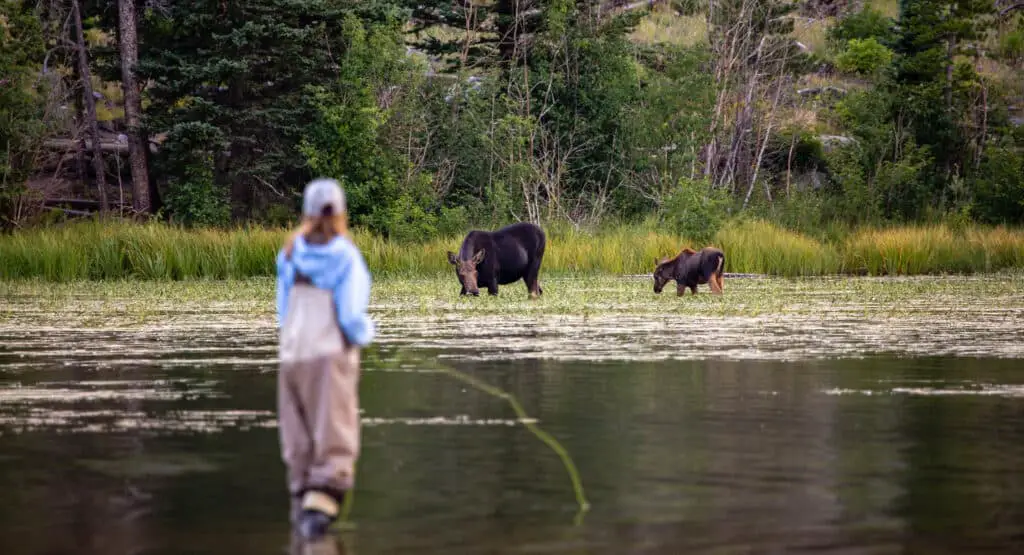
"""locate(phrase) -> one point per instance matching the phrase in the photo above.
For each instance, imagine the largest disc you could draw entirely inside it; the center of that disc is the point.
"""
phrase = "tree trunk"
(950, 50)
(129, 47)
(82, 183)
(90, 107)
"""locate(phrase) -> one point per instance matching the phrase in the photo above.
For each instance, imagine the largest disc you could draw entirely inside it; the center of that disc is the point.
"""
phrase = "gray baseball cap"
(321, 193)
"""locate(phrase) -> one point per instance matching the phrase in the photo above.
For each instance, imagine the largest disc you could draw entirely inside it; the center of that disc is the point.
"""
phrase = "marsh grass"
(761, 247)
(933, 250)
(119, 251)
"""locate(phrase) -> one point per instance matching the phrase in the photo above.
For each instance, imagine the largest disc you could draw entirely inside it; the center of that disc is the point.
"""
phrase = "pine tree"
(931, 34)
(486, 32)
(228, 88)
(21, 109)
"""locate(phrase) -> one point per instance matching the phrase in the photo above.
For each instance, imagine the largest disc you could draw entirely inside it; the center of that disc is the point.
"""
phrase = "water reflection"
(325, 546)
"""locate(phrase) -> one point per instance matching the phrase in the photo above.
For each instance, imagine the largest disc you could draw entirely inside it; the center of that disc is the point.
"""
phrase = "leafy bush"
(868, 23)
(794, 150)
(864, 56)
(999, 187)
(350, 140)
(21, 107)
(695, 209)
(1011, 46)
(193, 199)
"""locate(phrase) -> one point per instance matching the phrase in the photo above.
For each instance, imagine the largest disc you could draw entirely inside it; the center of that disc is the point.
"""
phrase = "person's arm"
(285, 278)
(352, 298)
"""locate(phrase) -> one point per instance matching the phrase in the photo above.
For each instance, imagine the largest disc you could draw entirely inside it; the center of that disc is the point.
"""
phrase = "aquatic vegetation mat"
(232, 324)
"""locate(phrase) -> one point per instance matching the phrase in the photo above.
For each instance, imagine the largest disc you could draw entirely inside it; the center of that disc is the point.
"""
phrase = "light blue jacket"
(338, 267)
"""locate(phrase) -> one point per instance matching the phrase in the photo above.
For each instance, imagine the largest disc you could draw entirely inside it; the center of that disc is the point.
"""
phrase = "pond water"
(161, 439)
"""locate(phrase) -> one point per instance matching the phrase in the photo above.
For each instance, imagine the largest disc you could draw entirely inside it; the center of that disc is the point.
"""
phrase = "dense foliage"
(441, 115)
(21, 108)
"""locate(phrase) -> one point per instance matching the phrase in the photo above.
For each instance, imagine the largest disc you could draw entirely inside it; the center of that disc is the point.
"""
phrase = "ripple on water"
(990, 390)
(99, 406)
(235, 342)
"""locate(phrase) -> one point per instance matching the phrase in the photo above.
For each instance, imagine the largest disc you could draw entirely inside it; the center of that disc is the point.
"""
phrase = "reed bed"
(763, 248)
(116, 251)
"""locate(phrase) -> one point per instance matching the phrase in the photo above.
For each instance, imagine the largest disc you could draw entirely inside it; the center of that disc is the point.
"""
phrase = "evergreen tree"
(21, 110)
(928, 79)
(229, 83)
(483, 32)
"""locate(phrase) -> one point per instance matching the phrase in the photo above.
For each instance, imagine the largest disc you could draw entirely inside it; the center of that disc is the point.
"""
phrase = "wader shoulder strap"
(299, 276)
(304, 279)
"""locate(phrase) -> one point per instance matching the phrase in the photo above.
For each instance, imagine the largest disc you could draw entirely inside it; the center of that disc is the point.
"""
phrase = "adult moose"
(492, 258)
(690, 269)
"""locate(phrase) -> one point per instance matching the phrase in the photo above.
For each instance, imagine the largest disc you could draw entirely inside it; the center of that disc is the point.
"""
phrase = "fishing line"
(546, 438)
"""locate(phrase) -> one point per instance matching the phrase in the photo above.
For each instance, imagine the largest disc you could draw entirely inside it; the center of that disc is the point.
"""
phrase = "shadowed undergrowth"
(106, 251)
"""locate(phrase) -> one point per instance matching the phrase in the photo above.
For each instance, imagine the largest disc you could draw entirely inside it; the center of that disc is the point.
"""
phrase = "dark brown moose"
(492, 258)
(690, 269)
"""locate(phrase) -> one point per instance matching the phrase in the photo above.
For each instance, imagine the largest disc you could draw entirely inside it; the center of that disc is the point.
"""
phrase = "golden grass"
(813, 33)
(663, 26)
(890, 8)
(114, 250)
(933, 249)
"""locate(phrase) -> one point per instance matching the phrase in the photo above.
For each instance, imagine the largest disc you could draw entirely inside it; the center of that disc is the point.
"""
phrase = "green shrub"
(999, 187)
(694, 209)
(1011, 46)
(22, 110)
(193, 199)
(868, 23)
(864, 56)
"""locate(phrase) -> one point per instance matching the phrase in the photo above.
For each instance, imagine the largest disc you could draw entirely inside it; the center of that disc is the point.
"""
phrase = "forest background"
(817, 120)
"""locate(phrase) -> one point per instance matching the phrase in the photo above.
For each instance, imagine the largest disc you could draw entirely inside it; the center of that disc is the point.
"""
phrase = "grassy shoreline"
(118, 251)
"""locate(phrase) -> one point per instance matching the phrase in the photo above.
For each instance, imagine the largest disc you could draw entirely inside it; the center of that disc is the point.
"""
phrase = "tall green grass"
(932, 250)
(113, 250)
(94, 251)
(764, 248)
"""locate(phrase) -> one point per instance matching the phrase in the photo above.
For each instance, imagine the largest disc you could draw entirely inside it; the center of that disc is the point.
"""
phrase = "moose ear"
(451, 257)
(479, 256)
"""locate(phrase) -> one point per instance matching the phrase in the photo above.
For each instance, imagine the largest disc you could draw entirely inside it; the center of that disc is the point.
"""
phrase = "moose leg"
(680, 289)
(492, 288)
(716, 284)
(693, 289)
(532, 285)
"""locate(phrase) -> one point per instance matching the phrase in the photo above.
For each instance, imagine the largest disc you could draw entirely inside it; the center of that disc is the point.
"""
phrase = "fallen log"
(79, 204)
(71, 144)
(818, 90)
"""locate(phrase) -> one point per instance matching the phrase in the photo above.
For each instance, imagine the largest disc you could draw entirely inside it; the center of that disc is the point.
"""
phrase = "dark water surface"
(163, 441)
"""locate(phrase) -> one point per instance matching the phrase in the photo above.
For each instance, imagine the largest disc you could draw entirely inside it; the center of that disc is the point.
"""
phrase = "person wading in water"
(323, 291)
